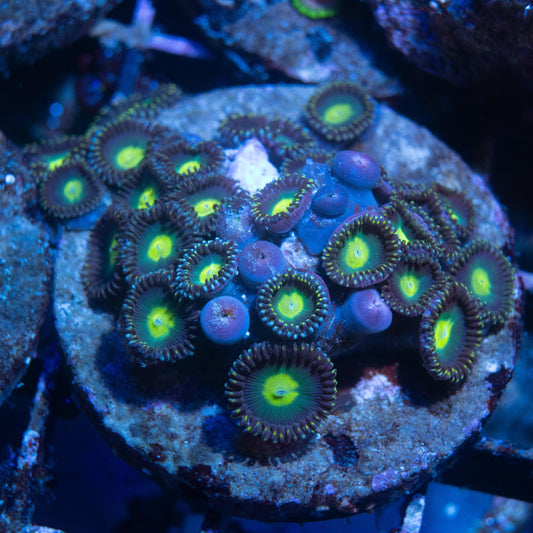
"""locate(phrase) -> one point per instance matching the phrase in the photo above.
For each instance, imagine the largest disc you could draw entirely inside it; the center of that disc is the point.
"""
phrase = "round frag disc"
(392, 428)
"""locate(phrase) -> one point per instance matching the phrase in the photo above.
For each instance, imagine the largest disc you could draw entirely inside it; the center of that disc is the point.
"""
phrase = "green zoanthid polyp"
(281, 392)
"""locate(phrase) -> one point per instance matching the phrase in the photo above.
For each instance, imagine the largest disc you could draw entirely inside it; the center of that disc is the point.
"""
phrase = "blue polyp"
(360, 200)
(330, 201)
(314, 231)
(356, 169)
(259, 261)
(365, 312)
(225, 320)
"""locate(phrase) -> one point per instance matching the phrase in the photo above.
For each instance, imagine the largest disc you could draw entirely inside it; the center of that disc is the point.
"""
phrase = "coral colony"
(287, 276)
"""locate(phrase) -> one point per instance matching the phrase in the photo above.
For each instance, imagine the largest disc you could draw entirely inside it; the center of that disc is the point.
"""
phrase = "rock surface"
(25, 269)
(29, 28)
(265, 37)
(464, 42)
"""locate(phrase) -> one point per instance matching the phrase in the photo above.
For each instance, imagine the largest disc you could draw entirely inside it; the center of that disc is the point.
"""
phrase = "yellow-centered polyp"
(209, 271)
(409, 285)
(160, 321)
(357, 253)
(147, 198)
(338, 113)
(280, 390)
(189, 166)
(73, 190)
(160, 248)
(282, 205)
(290, 305)
(129, 157)
(206, 207)
(481, 284)
(443, 332)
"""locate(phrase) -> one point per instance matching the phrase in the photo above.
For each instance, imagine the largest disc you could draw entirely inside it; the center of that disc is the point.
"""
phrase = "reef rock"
(25, 268)
(462, 41)
(280, 39)
(29, 29)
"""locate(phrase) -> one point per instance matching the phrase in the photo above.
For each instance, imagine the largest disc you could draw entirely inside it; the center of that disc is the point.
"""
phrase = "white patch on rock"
(296, 254)
(378, 387)
(249, 165)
